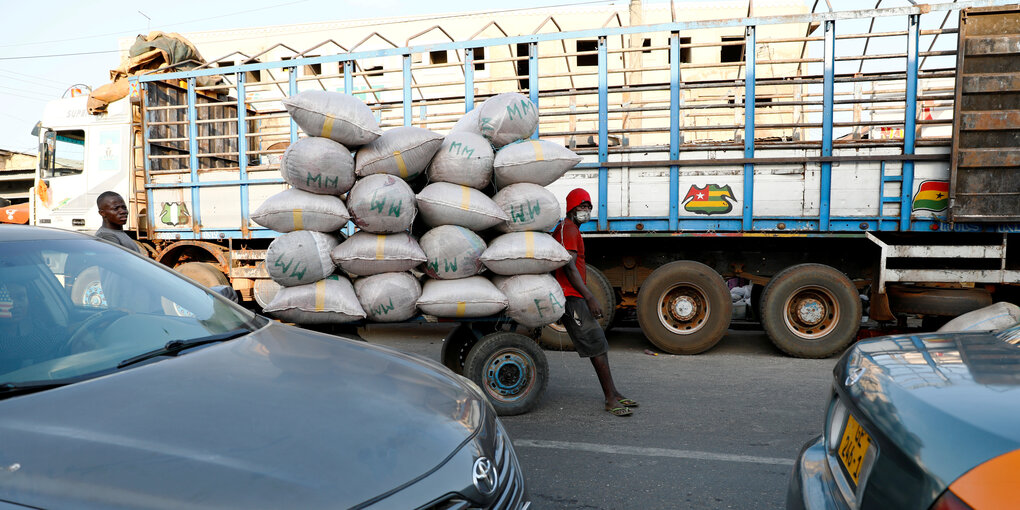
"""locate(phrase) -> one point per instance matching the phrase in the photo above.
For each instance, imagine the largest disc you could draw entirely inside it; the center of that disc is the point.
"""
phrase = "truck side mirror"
(47, 144)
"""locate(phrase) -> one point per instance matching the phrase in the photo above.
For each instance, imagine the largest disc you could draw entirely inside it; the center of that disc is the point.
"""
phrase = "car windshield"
(73, 309)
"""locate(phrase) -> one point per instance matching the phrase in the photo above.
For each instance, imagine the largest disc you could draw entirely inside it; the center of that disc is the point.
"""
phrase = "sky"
(92, 30)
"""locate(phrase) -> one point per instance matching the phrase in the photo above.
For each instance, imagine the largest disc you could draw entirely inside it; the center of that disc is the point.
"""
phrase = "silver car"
(123, 384)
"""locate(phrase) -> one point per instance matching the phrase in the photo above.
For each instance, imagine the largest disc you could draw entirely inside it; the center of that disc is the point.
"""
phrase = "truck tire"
(811, 311)
(684, 307)
(204, 273)
(87, 289)
(554, 336)
(511, 370)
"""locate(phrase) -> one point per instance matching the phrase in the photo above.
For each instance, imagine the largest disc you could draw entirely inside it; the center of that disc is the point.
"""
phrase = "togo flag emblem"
(174, 213)
(932, 196)
(711, 199)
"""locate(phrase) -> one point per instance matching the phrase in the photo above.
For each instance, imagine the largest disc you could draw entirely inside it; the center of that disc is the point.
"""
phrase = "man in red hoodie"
(582, 309)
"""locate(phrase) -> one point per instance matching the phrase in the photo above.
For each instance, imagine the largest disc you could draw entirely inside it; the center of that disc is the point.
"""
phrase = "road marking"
(650, 452)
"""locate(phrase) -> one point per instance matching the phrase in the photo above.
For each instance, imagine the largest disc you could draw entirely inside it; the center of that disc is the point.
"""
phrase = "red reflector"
(949, 501)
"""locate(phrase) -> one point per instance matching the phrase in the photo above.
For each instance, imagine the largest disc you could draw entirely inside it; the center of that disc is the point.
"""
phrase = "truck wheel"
(203, 273)
(511, 370)
(87, 289)
(811, 311)
(684, 307)
(554, 336)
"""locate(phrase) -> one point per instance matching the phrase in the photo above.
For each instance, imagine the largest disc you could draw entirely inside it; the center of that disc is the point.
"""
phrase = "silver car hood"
(282, 417)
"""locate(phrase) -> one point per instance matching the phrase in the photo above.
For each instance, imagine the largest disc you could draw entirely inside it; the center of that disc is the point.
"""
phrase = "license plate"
(853, 447)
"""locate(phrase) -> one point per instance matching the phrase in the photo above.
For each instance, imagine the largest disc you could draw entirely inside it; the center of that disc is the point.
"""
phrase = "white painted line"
(650, 452)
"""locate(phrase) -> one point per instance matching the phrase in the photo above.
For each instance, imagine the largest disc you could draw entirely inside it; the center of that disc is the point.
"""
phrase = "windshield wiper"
(175, 347)
(10, 389)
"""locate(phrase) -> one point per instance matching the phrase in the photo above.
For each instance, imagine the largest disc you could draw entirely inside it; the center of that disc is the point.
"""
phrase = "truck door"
(985, 180)
(62, 201)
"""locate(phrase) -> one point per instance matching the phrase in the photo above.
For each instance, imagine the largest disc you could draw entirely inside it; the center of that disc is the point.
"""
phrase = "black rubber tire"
(843, 310)
(203, 273)
(702, 332)
(555, 338)
(516, 362)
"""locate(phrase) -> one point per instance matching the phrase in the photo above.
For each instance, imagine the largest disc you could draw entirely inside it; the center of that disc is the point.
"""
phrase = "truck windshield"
(73, 308)
(67, 154)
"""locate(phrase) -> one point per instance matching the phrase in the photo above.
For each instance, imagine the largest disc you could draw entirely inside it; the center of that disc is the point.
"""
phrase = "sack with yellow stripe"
(382, 204)
(524, 253)
(535, 161)
(533, 300)
(318, 165)
(300, 257)
(294, 209)
(529, 206)
(366, 254)
(463, 158)
(345, 119)
(468, 297)
(442, 203)
(388, 297)
(327, 301)
(404, 152)
(453, 252)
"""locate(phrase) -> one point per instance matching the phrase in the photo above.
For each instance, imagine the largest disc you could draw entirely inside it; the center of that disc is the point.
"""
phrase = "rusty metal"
(985, 175)
(215, 250)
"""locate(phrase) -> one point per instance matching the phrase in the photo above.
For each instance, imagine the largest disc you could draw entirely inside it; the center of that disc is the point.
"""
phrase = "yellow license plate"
(853, 447)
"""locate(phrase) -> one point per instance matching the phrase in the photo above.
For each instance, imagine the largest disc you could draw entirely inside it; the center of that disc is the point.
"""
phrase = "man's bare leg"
(601, 364)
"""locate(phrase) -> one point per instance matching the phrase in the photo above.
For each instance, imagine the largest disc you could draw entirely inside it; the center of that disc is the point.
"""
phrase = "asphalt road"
(716, 430)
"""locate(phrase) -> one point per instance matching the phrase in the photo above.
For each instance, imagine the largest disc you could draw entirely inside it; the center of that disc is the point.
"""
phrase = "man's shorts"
(586, 333)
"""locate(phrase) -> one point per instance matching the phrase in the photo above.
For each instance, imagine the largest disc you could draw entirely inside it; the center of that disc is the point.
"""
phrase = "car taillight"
(949, 501)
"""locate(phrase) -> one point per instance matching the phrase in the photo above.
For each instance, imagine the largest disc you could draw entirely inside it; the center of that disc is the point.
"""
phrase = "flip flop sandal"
(626, 402)
(619, 411)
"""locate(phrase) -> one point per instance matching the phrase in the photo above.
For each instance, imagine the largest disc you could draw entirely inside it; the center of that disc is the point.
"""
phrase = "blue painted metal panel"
(674, 129)
(603, 70)
(829, 62)
(533, 78)
(293, 91)
(349, 77)
(150, 212)
(242, 149)
(749, 56)
(408, 102)
(196, 209)
(469, 79)
(909, 123)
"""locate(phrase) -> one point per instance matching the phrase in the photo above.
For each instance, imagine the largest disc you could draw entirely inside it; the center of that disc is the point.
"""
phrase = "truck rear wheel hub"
(684, 308)
(810, 311)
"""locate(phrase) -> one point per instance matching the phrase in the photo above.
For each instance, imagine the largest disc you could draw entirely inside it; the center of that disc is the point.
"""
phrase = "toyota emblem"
(484, 476)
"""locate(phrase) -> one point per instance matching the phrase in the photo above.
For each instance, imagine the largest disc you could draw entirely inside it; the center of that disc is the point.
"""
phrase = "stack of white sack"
(320, 169)
(458, 205)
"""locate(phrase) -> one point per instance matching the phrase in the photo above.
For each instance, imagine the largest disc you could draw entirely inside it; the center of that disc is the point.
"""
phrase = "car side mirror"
(226, 291)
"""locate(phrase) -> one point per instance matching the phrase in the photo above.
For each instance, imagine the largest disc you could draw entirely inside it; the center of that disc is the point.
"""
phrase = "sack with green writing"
(468, 123)
(382, 204)
(506, 118)
(318, 165)
(468, 297)
(533, 300)
(452, 252)
(535, 161)
(365, 253)
(327, 301)
(529, 206)
(294, 209)
(463, 158)
(300, 257)
(345, 119)
(442, 203)
(403, 151)
(524, 253)
(388, 297)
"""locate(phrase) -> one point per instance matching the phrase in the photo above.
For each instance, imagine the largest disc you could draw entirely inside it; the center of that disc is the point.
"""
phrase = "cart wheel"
(511, 370)
(554, 336)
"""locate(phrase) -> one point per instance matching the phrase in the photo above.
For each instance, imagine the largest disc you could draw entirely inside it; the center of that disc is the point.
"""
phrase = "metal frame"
(746, 222)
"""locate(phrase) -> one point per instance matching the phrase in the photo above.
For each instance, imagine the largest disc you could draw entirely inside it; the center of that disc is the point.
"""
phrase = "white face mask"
(582, 216)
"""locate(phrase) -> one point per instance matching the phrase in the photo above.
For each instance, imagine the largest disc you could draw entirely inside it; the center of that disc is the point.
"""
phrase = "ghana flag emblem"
(932, 196)
(711, 199)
